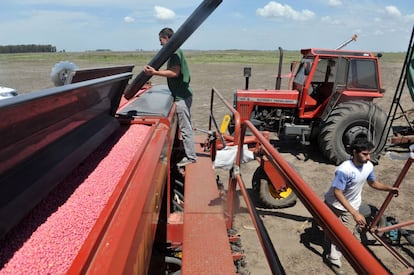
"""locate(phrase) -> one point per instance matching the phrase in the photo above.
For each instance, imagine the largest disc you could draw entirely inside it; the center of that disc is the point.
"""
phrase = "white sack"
(226, 156)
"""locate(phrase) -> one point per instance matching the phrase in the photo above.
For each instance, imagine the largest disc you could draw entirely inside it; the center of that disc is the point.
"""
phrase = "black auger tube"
(180, 36)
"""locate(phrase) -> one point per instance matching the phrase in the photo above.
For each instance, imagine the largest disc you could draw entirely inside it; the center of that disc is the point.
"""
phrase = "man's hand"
(148, 70)
(171, 72)
(359, 219)
(384, 187)
(395, 191)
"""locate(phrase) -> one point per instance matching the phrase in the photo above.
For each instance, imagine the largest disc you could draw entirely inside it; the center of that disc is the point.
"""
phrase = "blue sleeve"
(340, 180)
(371, 176)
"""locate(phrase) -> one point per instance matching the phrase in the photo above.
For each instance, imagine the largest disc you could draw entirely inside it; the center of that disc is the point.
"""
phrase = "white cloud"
(397, 17)
(74, 3)
(164, 14)
(277, 10)
(129, 19)
(410, 17)
(335, 3)
(330, 20)
(121, 26)
(393, 11)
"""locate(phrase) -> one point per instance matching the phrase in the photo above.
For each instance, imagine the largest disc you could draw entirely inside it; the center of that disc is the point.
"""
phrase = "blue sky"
(125, 25)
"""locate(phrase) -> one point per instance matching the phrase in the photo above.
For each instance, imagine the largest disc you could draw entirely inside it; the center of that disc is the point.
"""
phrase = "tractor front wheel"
(268, 194)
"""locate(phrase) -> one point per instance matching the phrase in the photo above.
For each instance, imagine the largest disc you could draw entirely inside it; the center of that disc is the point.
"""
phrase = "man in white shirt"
(344, 195)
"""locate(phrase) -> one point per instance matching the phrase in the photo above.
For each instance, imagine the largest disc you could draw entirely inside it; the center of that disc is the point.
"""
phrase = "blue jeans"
(184, 123)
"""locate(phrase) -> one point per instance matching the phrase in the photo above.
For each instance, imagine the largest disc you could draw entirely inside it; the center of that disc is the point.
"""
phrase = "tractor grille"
(244, 111)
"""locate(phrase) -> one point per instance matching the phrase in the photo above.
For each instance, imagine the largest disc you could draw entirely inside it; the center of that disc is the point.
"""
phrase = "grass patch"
(194, 57)
(393, 57)
(238, 56)
(91, 57)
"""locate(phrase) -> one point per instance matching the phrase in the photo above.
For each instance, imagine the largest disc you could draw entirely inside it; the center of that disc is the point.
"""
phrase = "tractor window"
(341, 72)
(323, 79)
(362, 74)
(303, 71)
(325, 72)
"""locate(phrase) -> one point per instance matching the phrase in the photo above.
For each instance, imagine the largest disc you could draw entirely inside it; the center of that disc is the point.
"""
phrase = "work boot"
(185, 161)
(335, 265)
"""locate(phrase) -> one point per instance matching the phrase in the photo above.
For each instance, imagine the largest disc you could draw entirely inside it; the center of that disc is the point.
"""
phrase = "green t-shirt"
(179, 86)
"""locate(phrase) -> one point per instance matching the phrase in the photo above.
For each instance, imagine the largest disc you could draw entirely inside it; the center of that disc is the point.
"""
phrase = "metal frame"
(357, 255)
(378, 232)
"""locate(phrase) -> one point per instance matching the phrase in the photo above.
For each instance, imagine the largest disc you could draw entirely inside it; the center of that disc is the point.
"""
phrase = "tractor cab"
(328, 77)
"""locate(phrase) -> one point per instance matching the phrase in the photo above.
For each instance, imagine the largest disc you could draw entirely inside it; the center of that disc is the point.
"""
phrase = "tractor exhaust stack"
(279, 72)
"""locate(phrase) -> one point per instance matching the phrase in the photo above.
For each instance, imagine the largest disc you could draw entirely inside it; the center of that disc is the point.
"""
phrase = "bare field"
(297, 245)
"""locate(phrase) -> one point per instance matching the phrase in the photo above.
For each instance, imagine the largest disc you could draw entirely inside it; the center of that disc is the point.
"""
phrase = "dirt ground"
(296, 243)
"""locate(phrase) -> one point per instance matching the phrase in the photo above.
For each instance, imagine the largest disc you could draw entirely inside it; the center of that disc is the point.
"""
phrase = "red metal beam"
(121, 241)
(373, 227)
(357, 255)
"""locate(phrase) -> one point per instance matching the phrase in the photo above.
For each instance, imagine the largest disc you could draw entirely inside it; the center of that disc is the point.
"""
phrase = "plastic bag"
(226, 157)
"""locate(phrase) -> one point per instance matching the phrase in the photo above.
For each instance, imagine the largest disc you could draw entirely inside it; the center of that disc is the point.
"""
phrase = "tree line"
(31, 48)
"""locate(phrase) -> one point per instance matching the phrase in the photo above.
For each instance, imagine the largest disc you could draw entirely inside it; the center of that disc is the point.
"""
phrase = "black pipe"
(279, 73)
(247, 72)
(180, 36)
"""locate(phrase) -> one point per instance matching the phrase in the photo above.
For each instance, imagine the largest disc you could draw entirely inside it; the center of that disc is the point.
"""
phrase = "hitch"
(209, 144)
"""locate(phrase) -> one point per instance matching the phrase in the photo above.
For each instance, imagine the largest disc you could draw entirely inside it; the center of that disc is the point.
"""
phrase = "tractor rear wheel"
(268, 194)
(348, 121)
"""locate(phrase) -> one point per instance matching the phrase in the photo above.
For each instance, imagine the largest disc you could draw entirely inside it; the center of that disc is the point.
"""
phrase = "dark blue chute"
(410, 74)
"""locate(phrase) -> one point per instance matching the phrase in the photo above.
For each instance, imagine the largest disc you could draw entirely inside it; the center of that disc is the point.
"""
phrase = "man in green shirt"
(178, 79)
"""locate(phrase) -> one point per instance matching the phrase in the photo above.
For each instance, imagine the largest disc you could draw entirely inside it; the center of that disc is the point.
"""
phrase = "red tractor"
(329, 99)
